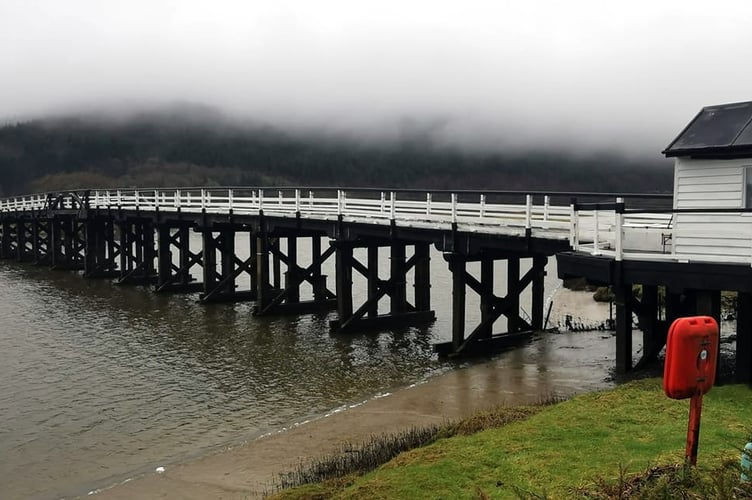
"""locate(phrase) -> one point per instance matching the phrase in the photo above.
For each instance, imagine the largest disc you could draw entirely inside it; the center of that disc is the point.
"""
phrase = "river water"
(100, 382)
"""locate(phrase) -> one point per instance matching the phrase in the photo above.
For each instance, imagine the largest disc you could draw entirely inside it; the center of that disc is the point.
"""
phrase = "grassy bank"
(590, 445)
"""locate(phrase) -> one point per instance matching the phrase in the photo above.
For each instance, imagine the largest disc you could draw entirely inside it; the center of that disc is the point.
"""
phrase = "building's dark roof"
(723, 131)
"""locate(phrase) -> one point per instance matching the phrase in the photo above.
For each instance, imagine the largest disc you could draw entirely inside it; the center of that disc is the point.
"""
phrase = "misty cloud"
(477, 74)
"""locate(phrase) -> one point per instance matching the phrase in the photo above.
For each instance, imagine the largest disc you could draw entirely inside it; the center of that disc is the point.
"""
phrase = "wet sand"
(249, 470)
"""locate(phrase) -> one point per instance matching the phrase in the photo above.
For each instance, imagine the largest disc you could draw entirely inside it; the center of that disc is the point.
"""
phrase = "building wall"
(712, 184)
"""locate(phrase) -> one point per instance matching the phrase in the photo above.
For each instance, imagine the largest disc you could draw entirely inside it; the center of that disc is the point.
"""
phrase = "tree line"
(154, 150)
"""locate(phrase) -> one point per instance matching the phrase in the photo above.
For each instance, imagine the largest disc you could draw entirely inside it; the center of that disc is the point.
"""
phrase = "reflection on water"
(99, 382)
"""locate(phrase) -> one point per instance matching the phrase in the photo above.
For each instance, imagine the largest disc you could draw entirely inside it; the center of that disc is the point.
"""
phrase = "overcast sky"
(597, 74)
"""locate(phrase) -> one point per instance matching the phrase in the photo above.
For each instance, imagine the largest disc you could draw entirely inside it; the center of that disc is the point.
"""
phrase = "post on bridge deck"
(137, 251)
(482, 340)
(171, 277)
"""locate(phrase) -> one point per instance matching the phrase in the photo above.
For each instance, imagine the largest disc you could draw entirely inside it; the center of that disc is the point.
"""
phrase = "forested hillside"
(173, 149)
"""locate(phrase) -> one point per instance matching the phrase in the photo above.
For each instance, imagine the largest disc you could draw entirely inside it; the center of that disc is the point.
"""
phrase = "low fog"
(584, 75)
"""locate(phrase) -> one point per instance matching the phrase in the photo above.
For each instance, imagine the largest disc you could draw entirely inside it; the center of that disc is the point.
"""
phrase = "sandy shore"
(248, 471)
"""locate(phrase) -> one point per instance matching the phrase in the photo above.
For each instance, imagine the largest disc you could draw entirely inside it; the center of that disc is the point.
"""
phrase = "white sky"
(594, 73)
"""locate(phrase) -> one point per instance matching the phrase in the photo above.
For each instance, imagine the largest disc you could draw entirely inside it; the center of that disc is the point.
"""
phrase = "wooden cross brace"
(300, 275)
(499, 305)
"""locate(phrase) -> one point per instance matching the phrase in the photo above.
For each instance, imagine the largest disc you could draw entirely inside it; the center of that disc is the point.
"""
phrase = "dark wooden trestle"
(216, 254)
(400, 311)
(171, 276)
(482, 337)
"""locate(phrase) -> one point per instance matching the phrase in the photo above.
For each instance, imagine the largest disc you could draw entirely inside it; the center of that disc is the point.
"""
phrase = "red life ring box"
(691, 357)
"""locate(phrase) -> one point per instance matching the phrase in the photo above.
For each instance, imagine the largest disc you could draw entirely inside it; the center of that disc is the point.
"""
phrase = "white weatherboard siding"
(711, 184)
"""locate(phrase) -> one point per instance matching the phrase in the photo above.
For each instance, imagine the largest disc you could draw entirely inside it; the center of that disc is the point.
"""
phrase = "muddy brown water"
(100, 383)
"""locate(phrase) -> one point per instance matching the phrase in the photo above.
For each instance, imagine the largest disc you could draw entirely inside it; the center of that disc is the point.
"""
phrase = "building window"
(748, 187)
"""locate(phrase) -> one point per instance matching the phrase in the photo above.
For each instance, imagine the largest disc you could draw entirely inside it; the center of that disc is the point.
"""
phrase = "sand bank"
(561, 364)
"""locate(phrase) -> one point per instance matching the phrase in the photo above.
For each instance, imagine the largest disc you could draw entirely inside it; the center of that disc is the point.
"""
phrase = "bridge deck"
(534, 215)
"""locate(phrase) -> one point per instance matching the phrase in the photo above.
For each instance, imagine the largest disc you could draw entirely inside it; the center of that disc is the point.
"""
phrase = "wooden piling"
(292, 280)
(623, 305)
(486, 297)
(744, 337)
(398, 297)
(538, 291)
(343, 265)
(458, 266)
(373, 281)
(422, 277)
(513, 297)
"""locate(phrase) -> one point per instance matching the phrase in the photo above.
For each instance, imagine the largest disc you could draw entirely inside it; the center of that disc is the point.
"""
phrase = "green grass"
(563, 450)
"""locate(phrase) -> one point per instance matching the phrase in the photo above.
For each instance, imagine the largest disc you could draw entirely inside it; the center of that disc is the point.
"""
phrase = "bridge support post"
(373, 281)
(486, 297)
(171, 277)
(458, 268)
(6, 249)
(401, 311)
(536, 313)
(57, 249)
(68, 241)
(623, 304)
(263, 286)
(398, 297)
(318, 280)
(287, 300)
(24, 239)
(343, 279)
(292, 283)
(276, 264)
(101, 251)
(41, 240)
(481, 339)
(220, 275)
(654, 330)
(137, 252)
(744, 337)
(422, 277)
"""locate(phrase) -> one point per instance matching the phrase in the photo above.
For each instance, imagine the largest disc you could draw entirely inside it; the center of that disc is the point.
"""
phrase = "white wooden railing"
(605, 229)
(405, 207)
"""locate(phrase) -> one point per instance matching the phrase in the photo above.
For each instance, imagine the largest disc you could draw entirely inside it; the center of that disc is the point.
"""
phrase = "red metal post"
(693, 429)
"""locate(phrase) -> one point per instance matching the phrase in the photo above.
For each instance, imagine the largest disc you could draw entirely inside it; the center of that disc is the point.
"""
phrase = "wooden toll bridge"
(140, 236)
